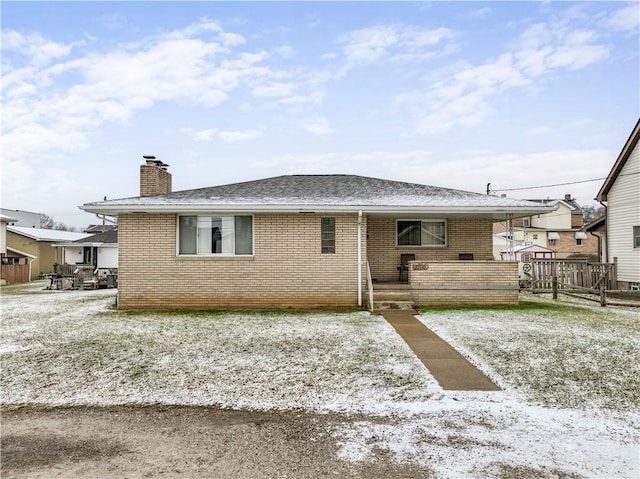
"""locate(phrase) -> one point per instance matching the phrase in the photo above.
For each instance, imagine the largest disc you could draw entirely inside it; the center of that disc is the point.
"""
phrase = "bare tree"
(592, 213)
(47, 222)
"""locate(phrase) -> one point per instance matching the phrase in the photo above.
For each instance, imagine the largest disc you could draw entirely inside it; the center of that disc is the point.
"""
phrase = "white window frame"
(215, 255)
(446, 233)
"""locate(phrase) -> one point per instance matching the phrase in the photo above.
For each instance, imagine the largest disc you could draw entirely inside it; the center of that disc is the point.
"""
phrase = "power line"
(557, 184)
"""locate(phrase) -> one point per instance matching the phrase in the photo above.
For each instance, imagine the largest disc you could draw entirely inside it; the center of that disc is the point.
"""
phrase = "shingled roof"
(319, 193)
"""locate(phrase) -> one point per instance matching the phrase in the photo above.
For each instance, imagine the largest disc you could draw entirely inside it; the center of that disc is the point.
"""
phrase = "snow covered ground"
(570, 405)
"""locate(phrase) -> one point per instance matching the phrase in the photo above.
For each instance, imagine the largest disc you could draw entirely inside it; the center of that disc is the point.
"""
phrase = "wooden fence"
(572, 275)
(15, 273)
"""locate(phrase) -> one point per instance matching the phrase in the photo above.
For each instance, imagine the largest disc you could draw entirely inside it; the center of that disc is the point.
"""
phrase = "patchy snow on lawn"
(569, 405)
(68, 348)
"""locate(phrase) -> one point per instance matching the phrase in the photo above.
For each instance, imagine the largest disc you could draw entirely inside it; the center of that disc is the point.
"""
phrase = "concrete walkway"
(449, 367)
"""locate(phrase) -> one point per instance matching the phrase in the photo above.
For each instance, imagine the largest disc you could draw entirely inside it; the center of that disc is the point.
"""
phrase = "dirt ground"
(180, 442)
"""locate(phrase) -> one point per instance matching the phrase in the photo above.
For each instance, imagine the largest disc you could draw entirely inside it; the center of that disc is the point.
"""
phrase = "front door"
(90, 256)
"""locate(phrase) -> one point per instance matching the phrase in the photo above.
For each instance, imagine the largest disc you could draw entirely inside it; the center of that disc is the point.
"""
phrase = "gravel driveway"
(180, 442)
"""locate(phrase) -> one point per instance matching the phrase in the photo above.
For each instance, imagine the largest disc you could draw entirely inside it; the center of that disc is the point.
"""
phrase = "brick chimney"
(154, 177)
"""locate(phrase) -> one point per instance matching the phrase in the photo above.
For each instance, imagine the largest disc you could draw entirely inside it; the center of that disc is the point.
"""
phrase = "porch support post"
(360, 258)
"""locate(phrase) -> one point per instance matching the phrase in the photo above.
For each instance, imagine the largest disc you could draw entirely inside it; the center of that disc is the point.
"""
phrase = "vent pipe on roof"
(154, 177)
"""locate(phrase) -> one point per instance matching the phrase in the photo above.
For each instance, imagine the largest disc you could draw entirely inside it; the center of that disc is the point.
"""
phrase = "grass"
(67, 348)
(556, 355)
(553, 354)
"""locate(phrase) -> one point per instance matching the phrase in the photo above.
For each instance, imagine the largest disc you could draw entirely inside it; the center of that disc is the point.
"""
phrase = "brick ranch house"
(307, 242)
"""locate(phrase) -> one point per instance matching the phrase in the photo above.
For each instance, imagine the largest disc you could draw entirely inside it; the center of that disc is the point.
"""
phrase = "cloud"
(482, 12)
(627, 18)
(464, 96)
(462, 99)
(234, 136)
(50, 101)
(383, 164)
(202, 135)
(389, 42)
(227, 136)
(36, 50)
(317, 126)
(274, 89)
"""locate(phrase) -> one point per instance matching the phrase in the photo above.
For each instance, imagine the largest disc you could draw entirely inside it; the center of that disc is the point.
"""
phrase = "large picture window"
(215, 235)
(422, 233)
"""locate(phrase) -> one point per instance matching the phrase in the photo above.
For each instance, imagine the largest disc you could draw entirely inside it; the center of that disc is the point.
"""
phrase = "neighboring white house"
(503, 242)
(3, 232)
(26, 219)
(621, 192)
(99, 250)
(560, 230)
(37, 243)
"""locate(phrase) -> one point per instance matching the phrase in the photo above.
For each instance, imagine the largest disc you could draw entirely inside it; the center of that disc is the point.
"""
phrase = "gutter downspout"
(606, 232)
(360, 258)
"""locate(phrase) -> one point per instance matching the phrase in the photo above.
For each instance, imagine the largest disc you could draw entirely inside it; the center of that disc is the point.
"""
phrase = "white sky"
(452, 94)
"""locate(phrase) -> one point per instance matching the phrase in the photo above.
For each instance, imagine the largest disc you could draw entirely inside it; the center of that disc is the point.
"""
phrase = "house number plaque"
(420, 266)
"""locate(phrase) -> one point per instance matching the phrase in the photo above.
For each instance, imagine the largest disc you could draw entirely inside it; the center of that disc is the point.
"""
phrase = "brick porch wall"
(286, 271)
(464, 236)
(455, 283)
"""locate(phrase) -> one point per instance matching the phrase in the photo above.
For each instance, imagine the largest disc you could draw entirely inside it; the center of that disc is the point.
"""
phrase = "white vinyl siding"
(623, 213)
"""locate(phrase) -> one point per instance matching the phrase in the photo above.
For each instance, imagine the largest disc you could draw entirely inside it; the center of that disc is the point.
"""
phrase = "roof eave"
(489, 211)
(628, 147)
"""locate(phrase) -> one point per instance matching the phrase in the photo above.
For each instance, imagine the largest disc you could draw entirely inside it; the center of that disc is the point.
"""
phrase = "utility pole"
(488, 188)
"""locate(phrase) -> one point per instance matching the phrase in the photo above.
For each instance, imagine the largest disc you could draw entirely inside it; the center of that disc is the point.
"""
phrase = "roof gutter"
(114, 210)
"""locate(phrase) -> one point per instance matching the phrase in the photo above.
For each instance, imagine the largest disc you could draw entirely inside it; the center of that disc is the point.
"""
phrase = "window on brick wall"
(328, 235)
(431, 233)
(215, 235)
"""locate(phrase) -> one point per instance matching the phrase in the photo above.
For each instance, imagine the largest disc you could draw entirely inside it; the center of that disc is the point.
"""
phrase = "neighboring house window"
(535, 236)
(422, 233)
(213, 235)
(636, 236)
(328, 235)
(552, 242)
(526, 222)
(578, 241)
(580, 237)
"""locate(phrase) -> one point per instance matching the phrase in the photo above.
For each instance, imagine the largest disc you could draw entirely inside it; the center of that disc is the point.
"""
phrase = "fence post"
(554, 285)
(603, 296)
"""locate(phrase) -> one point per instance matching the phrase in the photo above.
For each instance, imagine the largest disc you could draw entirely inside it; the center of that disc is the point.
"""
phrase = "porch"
(82, 276)
(447, 283)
